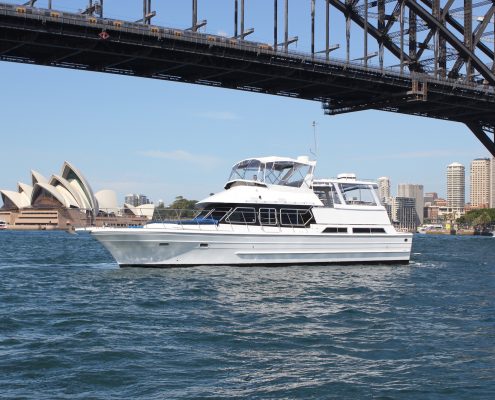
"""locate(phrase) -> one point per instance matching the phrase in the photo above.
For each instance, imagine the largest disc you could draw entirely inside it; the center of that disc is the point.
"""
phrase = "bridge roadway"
(60, 39)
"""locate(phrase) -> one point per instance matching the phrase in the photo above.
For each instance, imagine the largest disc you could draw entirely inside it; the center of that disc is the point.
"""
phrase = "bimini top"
(265, 171)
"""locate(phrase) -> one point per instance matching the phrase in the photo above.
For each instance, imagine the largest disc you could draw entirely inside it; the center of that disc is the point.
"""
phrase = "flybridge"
(274, 171)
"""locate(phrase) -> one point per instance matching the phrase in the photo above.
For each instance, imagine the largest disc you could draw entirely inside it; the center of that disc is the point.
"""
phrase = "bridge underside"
(341, 87)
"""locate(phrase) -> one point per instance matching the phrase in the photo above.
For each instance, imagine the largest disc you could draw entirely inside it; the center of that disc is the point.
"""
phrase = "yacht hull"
(182, 248)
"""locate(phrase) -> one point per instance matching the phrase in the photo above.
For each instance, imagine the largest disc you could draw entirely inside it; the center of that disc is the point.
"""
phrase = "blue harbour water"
(75, 326)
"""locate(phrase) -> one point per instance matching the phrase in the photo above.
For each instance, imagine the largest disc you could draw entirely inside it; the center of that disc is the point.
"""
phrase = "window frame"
(253, 211)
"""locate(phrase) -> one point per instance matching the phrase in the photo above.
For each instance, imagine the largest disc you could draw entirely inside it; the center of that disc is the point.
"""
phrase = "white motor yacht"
(272, 212)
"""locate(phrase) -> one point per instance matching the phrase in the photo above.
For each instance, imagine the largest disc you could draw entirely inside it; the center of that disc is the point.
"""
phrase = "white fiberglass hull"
(168, 247)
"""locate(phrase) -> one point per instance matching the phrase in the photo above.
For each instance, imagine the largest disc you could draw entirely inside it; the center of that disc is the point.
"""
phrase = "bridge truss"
(432, 58)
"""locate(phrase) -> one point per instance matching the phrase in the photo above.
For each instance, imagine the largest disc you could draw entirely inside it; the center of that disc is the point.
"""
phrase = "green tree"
(482, 220)
(181, 203)
(473, 217)
(180, 208)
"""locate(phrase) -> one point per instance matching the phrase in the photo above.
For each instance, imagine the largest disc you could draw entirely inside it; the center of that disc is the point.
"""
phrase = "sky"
(166, 139)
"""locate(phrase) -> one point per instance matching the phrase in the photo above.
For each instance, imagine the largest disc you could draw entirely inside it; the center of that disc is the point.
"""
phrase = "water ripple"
(74, 325)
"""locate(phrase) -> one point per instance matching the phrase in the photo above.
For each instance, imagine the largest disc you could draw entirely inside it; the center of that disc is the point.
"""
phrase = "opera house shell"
(65, 199)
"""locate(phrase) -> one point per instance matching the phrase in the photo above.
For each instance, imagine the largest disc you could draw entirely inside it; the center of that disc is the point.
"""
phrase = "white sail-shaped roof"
(63, 197)
(145, 210)
(60, 182)
(26, 192)
(79, 183)
(36, 177)
(13, 199)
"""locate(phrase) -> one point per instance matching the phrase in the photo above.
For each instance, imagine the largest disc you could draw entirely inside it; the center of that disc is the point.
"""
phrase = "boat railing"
(139, 217)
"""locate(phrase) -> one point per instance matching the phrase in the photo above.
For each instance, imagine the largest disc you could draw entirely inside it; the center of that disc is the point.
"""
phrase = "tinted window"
(294, 217)
(244, 215)
(268, 216)
(332, 229)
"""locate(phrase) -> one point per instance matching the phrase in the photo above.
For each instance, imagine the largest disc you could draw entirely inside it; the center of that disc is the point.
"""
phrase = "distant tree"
(482, 221)
(179, 209)
(181, 203)
(485, 216)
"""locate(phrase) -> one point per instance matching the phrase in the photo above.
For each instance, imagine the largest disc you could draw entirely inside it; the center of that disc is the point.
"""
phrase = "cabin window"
(368, 230)
(268, 216)
(323, 195)
(295, 217)
(220, 212)
(358, 194)
(242, 215)
(328, 195)
(335, 229)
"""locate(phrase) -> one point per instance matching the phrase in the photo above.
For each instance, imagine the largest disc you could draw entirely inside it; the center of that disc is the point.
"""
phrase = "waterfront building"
(384, 189)
(430, 197)
(432, 213)
(456, 186)
(440, 202)
(480, 183)
(407, 190)
(64, 200)
(407, 215)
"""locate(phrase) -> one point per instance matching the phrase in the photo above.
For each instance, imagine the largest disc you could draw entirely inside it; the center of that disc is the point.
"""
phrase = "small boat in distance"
(3, 225)
(272, 212)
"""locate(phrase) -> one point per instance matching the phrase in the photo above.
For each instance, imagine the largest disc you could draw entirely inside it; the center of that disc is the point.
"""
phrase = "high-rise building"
(132, 199)
(143, 199)
(408, 190)
(456, 186)
(137, 200)
(480, 183)
(407, 217)
(383, 189)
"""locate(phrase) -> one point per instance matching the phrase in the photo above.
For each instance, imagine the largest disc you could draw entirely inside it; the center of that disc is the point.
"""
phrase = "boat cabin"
(346, 191)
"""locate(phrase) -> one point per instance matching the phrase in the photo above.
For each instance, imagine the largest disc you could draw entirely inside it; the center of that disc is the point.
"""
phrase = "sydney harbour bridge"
(430, 58)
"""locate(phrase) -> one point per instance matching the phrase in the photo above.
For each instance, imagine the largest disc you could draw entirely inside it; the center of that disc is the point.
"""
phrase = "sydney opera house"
(65, 201)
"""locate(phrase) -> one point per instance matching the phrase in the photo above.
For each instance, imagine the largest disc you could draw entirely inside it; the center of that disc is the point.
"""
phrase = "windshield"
(285, 173)
(248, 170)
(359, 194)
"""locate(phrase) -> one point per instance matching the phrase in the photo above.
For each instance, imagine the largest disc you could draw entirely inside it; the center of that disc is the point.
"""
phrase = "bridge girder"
(98, 44)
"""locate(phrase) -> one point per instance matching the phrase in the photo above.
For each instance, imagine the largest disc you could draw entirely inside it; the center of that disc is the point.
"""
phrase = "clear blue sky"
(165, 139)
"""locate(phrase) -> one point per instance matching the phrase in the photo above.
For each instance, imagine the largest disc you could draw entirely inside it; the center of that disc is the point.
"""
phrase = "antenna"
(315, 138)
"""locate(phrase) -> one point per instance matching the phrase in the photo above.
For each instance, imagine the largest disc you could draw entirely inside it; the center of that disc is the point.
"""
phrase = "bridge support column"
(242, 19)
(286, 23)
(381, 28)
(468, 34)
(275, 24)
(236, 16)
(327, 30)
(195, 15)
(482, 133)
(365, 38)
(313, 27)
